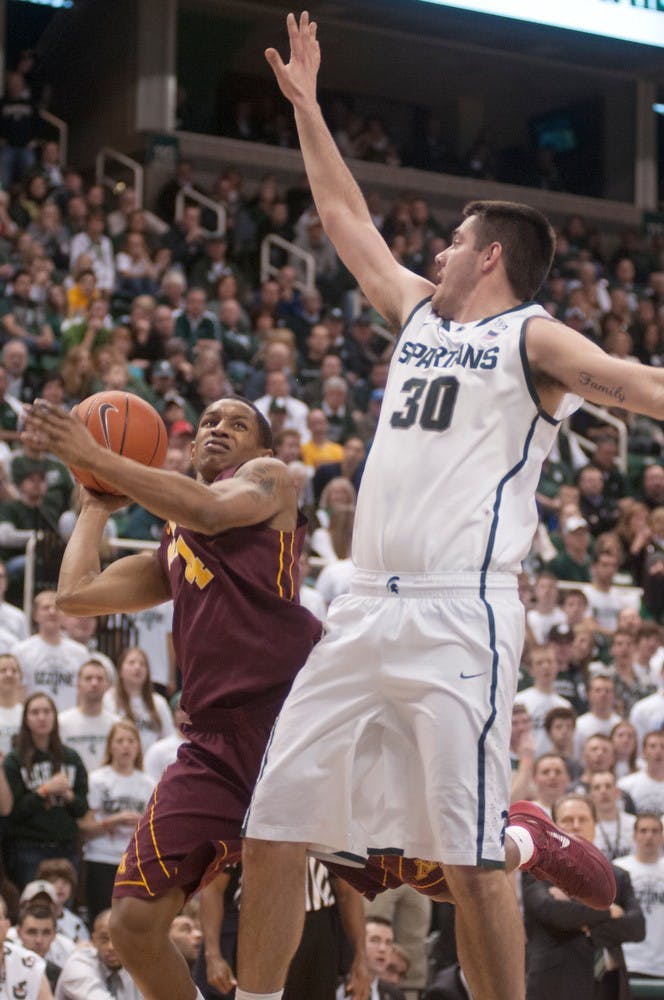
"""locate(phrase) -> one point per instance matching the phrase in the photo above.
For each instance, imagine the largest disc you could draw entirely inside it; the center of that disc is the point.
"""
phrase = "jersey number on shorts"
(435, 409)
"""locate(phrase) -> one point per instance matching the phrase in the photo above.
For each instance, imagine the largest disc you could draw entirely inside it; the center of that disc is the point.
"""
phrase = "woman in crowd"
(132, 698)
(634, 530)
(337, 504)
(11, 700)
(119, 792)
(625, 745)
(78, 375)
(49, 785)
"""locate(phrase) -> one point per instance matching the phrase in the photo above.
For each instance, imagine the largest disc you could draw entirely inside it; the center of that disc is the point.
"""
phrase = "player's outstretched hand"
(51, 428)
(297, 78)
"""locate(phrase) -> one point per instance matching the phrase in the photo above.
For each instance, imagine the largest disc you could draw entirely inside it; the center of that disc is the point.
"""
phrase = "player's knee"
(134, 937)
(257, 853)
(466, 882)
(120, 933)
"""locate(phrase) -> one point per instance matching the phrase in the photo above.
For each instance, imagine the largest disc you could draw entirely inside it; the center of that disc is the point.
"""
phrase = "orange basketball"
(123, 423)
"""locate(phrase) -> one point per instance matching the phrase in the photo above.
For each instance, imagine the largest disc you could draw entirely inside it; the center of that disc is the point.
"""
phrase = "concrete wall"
(92, 58)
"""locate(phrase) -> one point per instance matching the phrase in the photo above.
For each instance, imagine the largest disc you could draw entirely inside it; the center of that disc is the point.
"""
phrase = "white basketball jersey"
(450, 480)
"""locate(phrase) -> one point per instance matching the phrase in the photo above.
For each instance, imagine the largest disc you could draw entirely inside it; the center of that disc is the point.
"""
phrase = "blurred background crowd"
(97, 293)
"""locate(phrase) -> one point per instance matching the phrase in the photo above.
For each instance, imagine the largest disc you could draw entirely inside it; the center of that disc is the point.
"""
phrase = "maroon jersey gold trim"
(238, 628)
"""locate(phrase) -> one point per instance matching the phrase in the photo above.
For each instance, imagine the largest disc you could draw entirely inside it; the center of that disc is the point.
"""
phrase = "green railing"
(647, 989)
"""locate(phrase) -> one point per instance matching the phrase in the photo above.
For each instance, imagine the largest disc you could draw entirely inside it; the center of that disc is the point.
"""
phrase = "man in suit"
(573, 950)
(379, 942)
(449, 984)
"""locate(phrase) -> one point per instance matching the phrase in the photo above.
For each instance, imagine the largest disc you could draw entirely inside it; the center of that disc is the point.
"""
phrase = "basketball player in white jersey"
(395, 737)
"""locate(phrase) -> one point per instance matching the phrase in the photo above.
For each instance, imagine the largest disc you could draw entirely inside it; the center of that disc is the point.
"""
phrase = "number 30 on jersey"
(432, 409)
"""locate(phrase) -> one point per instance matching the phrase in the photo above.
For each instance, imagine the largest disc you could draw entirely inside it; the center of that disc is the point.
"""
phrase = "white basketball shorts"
(395, 736)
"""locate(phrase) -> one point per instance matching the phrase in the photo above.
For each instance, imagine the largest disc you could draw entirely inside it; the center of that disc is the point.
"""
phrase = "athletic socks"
(243, 995)
(523, 841)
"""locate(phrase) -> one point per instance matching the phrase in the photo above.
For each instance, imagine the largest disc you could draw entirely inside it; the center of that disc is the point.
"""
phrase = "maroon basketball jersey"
(239, 630)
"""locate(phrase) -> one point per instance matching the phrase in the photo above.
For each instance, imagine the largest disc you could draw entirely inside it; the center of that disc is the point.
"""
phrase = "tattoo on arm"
(588, 381)
(265, 481)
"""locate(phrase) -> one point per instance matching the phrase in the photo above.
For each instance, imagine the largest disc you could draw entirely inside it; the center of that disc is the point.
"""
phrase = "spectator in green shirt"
(574, 562)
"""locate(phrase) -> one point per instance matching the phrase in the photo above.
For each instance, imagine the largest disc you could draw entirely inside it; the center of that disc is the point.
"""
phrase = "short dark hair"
(559, 712)
(646, 814)
(377, 919)
(574, 797)
(527, 239)
(549, 755)
(40, 911)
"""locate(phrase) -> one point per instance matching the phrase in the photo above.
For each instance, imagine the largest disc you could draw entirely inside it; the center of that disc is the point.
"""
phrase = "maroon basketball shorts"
(190, 829)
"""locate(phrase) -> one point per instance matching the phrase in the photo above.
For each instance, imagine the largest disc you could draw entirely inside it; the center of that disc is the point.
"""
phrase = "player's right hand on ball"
(108, 502)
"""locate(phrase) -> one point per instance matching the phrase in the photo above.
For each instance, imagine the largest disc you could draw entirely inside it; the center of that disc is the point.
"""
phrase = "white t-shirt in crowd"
(647, 793)
(588, 725)
(110, 792)
(334, 580)
(538, 703)
(541, 624)
(647, 956)
(615, 837)
(86, 734)
(51, 667)
(72, 927)
(604, 608)
(10, 722)
(14, 620)
(161, 754)
(23, 971)
(7, 640)
(142, 718)
(154, 625)
(647, 715)
(312, 601)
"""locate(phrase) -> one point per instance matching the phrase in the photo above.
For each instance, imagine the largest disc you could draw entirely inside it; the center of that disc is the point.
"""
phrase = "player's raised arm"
(391, 288)
(562, 360)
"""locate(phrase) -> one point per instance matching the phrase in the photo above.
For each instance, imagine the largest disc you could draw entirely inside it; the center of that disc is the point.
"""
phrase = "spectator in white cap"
(23, 974)
(41, 891)
(574, 562)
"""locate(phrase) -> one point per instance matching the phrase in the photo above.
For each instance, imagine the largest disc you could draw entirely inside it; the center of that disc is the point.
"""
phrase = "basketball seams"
(157, 443)
(124, 427)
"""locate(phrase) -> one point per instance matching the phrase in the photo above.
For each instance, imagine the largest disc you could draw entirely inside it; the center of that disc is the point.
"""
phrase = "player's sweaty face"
(227, 436)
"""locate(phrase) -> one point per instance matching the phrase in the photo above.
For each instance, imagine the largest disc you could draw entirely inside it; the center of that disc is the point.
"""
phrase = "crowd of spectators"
(95, 294)
(380, 132)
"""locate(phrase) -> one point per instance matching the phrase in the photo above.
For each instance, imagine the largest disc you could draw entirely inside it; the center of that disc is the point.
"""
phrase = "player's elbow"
(70, 603)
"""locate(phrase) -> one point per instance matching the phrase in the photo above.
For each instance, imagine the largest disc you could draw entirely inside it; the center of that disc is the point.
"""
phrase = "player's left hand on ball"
(63, 433)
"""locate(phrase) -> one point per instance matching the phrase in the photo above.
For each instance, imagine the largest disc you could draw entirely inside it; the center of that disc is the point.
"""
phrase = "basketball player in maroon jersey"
(229, 559)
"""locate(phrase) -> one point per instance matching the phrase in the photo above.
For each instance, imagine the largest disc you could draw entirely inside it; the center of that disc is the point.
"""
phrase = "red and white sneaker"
(574, 865)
